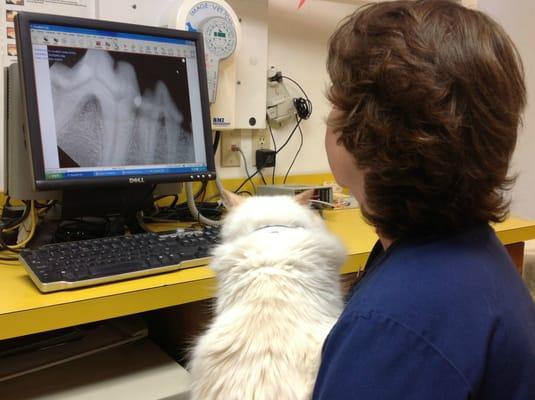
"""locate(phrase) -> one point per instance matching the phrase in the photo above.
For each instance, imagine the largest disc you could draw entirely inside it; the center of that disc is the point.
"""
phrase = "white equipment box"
(138, 370)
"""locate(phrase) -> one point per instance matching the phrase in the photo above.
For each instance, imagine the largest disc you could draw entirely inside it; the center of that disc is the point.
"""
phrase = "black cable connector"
(265, 158)
(276, 78)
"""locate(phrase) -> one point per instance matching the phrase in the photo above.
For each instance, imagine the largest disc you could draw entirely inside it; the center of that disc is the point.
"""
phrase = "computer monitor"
(112, 109)
(111, 103)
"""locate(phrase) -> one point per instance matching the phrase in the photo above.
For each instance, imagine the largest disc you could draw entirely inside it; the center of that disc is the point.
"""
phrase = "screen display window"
(113, 104)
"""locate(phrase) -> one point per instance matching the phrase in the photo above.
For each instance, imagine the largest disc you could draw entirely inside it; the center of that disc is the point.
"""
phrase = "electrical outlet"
(261, 139)
(229, 157)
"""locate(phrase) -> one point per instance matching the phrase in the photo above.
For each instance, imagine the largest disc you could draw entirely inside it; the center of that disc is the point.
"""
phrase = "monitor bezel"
(23, 21)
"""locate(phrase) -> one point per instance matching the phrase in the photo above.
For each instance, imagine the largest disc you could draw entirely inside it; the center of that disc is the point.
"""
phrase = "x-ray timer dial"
(220, 37)
(221, 31)
(214, 20)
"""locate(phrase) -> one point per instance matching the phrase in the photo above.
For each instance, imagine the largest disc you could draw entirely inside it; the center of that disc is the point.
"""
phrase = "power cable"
(296, 154)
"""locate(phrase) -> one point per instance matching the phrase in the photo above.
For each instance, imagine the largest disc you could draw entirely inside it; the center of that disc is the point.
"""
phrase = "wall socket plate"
(261, 139)
(230, 158)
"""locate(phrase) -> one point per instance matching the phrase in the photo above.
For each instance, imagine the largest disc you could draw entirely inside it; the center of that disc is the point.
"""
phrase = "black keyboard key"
(117, 268)
(81, 272)
(48, 276)
(67, 275)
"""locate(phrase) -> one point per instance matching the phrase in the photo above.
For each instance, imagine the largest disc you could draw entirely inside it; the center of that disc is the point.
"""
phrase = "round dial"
(219, 37)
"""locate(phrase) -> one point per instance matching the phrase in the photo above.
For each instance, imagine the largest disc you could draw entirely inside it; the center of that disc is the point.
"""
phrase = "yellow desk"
(24, 310)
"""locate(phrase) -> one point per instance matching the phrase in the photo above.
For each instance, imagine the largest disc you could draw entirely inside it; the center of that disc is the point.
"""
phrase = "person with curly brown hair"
(427, 98)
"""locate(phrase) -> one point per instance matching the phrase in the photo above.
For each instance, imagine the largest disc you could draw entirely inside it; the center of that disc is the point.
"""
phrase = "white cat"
(278, 297)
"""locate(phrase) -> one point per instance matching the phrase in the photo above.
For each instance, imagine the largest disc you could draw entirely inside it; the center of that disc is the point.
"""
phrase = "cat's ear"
(304, 197)
(230, 199)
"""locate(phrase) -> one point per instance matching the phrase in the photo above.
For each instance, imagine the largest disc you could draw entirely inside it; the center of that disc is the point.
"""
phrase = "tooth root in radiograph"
(102, 119)
(77, 124)
(86, 149)
(159, 122)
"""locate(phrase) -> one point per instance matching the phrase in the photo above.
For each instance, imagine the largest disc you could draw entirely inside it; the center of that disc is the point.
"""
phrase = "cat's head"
(269, 240)
(249, 214)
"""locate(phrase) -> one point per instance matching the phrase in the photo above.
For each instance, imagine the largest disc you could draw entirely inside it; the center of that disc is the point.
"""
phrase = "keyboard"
(70, 265)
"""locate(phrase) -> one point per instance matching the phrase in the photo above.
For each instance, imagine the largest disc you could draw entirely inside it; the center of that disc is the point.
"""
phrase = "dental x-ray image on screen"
(116, 108)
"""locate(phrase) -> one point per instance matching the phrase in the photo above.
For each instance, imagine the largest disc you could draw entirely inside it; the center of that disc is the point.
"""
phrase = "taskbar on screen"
(59, 175)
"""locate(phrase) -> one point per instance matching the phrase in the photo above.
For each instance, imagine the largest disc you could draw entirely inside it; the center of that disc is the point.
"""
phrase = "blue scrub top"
(443, 318)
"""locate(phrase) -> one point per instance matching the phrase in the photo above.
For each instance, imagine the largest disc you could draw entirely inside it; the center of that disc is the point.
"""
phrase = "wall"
(298, 46)
(517, 19)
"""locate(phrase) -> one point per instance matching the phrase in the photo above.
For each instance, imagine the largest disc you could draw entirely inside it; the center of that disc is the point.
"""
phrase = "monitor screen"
(115, 103)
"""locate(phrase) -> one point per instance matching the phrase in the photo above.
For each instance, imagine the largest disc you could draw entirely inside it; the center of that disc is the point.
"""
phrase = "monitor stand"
(120, 203)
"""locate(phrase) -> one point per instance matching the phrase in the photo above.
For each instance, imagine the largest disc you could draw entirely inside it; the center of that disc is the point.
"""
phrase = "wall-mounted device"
(220, 28)
(279, 103)
(321, 193)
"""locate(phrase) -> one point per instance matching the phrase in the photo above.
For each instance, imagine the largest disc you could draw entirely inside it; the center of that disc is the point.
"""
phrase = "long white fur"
(278, 297)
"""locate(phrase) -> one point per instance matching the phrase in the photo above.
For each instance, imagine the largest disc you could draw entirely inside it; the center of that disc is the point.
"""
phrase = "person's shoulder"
(456, 289)
(466, 270)
(460, 295)
(366, 348)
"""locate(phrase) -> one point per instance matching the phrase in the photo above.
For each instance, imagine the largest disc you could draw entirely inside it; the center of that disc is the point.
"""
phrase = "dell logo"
(136, 180)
